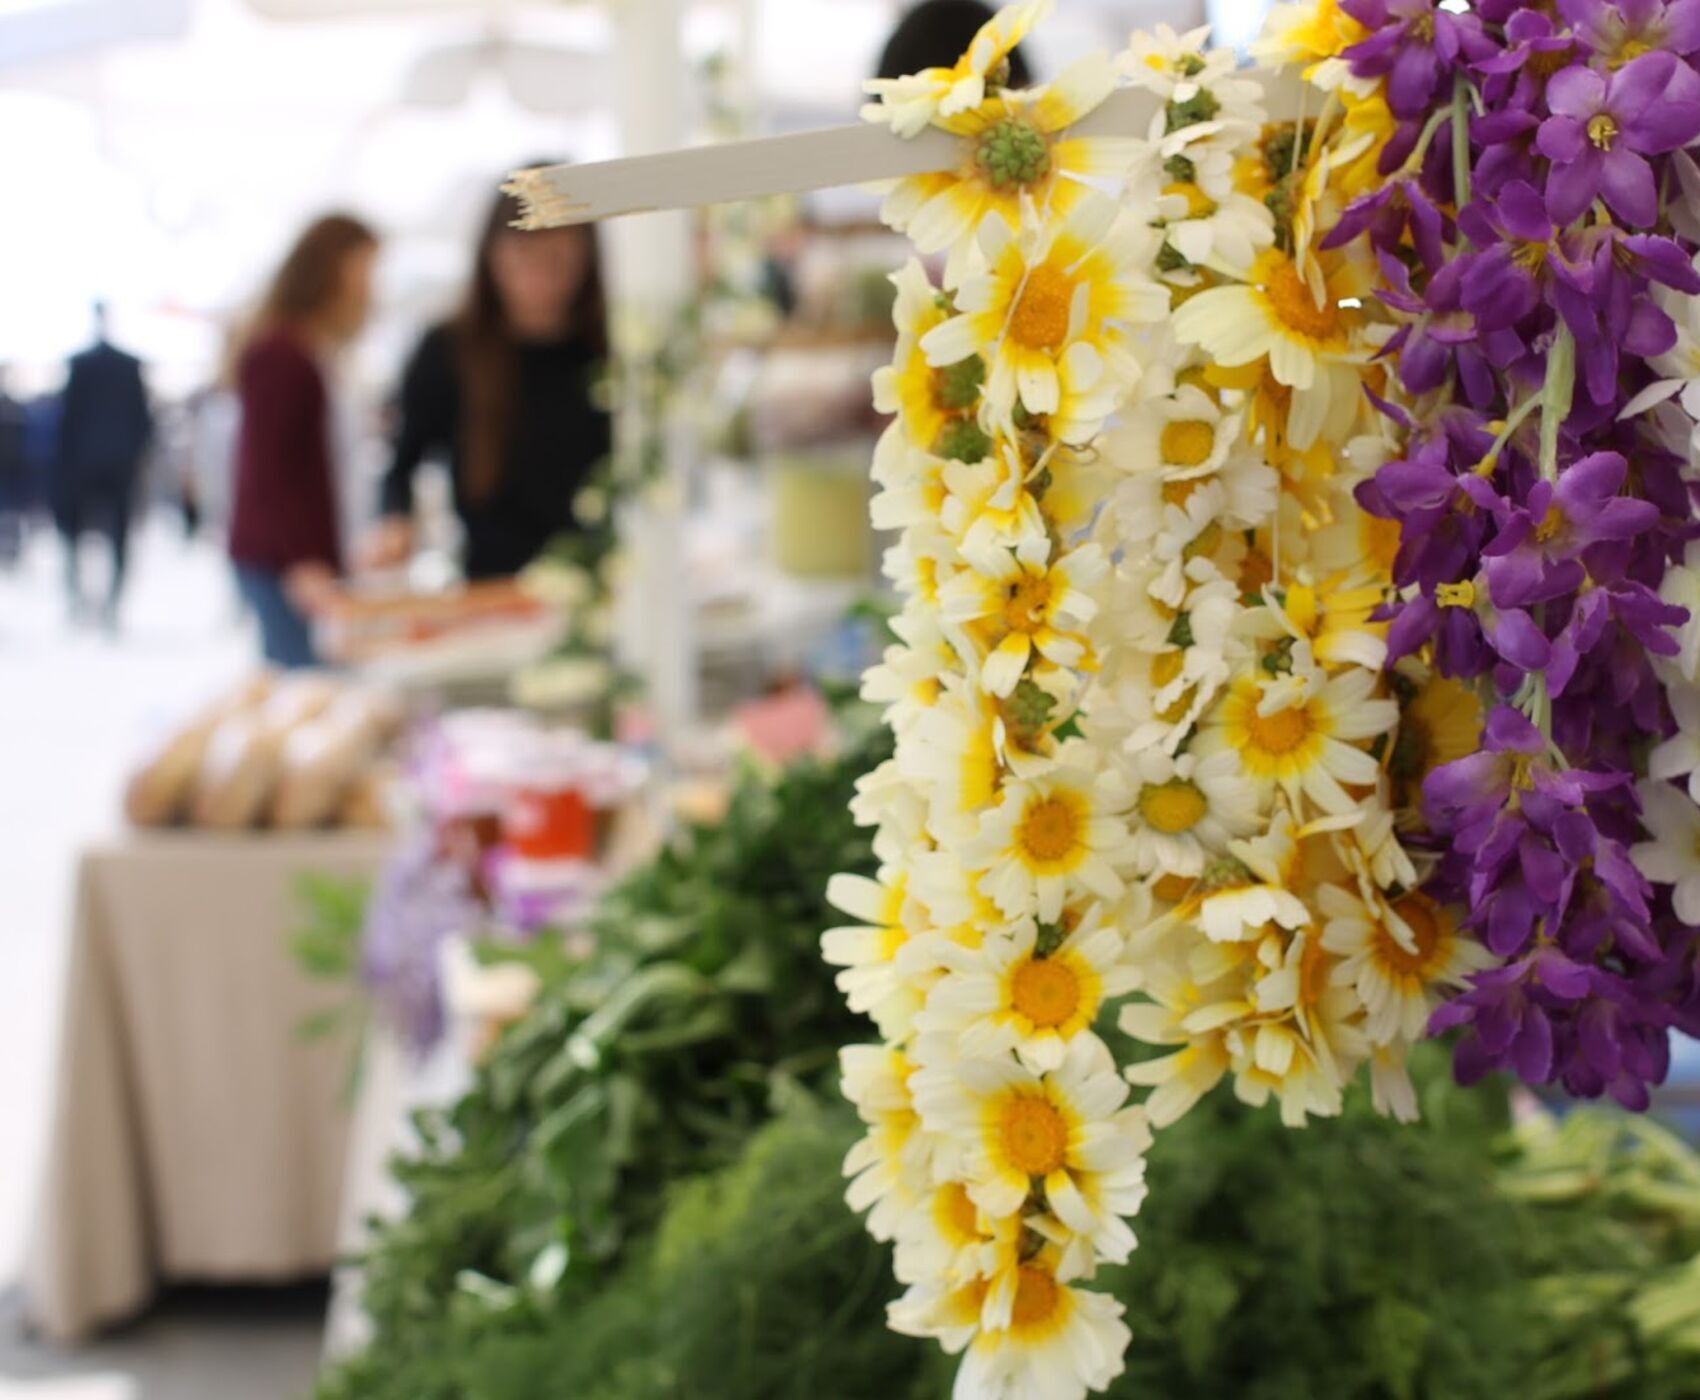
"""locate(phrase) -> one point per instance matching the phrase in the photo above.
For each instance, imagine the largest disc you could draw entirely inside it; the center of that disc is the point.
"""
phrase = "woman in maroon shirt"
(283, 528)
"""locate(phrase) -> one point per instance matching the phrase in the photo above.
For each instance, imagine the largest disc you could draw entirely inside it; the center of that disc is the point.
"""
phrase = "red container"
(550, 824)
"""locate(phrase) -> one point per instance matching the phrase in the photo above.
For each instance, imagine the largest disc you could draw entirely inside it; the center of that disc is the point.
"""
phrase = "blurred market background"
(157, 159)
(158, 156)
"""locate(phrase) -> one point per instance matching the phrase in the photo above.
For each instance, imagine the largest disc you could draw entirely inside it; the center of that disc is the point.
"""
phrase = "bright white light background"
(160, 153)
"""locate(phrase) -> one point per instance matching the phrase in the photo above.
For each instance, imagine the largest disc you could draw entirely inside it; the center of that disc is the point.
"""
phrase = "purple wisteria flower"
(1537, 553)
(1521, 252)
(1601, 131)
(1530, 284)
(1620, 29)
(1414, 45)
(419, 901)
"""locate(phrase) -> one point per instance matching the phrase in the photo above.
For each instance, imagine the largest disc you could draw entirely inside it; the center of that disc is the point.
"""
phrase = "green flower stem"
(1556, 395)
(1461, 141)
(1513, 421)
(1414, 161)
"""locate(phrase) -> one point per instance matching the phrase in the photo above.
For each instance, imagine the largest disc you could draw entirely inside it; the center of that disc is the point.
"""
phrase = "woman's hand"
(388, 544)
(312, 587)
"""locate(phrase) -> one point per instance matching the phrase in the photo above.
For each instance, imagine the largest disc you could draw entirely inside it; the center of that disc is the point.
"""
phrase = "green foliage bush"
(640, 1198)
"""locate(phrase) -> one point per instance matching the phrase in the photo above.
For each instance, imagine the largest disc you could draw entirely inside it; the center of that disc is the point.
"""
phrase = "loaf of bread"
(159, 792)
(323, 758)
(237, 773)
(365, 807)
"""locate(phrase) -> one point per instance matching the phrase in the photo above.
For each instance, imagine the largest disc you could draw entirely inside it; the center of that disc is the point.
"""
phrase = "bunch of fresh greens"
(704, 1008)
(1358, 1260)
(640, 1198)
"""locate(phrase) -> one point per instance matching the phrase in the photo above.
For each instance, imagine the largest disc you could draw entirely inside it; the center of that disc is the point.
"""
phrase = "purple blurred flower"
(1602, 129)
(419, 901)
(1624, 28)
(1520, 253)
(1413, 45)
(1536, 554)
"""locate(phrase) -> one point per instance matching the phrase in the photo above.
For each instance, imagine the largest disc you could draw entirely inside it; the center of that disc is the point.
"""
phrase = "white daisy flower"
(1306, 748)
(1679, 755)
(1019, 611)
(909, 678)
(909, 103)
(991, 513)
(871, 981)
(1251, 889)
(1398, 956)
(952, 753)
(1065, 1133)
(1051, 835)
(1051, 1339)
(1018, 992)
(890, 1167)
(1672, 857)
(1187, 808)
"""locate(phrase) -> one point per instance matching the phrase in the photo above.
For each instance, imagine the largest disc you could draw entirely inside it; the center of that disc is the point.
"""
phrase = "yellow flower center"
(1297, 308)
(1313, 972)
(1178, 493)
(1040, 318)
(1206, 542)
(1258, 570)
(956, 1214)
(1456, 595)
(1175, 713)
(1172, 807)
(1045, 991)
(1602, 130)
(1037, 1297)
(1049, 830)
(1281, 732)
(1165, 666)
(927, 578)
(1381, 540)
(1035, 1138)
(1528, 254)
(1423, 917)
(926, 691)
(1029, 599)
(980, 769)
(1552, 522)
(1198, 204)
(1188, 442)
(1173, 888)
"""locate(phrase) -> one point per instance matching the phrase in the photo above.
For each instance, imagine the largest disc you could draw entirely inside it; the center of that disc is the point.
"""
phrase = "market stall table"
(196, 1134)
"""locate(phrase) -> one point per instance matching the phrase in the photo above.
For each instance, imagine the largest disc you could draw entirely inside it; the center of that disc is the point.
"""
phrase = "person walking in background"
(284, 538)
(502, 393)
(104, 428)
(14, 478)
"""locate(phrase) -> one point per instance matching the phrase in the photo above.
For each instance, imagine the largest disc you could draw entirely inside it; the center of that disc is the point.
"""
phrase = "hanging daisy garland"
(1283, 621)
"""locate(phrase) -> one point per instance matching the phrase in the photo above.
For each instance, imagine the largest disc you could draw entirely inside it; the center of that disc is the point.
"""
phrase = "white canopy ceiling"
(159, 153)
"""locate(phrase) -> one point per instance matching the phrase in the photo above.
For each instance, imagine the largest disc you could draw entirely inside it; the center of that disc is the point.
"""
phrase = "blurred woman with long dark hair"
(502, 393)
(284, 537)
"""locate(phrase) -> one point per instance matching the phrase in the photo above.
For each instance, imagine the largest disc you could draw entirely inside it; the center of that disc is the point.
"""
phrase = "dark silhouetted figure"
(935, 33)
(14, 480)
(104, 428)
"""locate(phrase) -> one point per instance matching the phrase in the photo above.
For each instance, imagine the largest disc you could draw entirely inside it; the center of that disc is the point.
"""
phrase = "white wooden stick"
(553, 195)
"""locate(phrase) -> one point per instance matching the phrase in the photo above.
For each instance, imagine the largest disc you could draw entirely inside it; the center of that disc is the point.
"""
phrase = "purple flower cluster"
(420, 900)
(1525, 275)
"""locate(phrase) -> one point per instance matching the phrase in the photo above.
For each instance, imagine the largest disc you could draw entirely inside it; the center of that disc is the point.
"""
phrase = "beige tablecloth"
(196, 1135)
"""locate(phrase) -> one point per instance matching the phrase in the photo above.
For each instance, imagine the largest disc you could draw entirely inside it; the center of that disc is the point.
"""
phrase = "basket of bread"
(289, 752)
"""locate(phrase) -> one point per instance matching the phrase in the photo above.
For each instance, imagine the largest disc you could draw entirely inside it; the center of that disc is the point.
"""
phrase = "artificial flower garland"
(1533, 233)
(1193, 428)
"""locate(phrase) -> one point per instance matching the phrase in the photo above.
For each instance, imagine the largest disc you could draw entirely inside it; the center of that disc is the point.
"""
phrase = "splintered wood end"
(541, 204)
